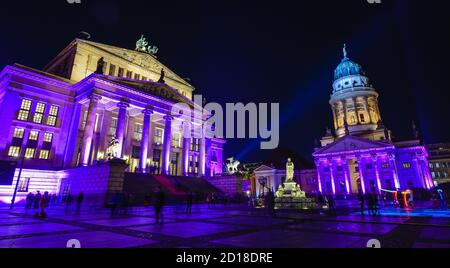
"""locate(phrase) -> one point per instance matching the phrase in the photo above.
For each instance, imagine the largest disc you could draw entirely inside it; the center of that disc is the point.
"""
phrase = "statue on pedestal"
(112, 151)
(289, 171)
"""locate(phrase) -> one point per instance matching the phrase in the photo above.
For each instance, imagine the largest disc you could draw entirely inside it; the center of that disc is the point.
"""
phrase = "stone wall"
(229, 185)
(97, 182)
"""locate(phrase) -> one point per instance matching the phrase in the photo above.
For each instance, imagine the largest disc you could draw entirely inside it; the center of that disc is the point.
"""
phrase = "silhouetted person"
(209, 199)
(79, 201)
(361, 202)
(376, 205)
(115, 201)
(69, 199)
(44, 204)
(270, 203)
(159, 204)
(37, 199)
(29, 200)
(400, 200)
(331, 203)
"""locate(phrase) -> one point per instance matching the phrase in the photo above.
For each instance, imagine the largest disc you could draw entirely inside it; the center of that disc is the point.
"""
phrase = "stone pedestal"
(292, 197)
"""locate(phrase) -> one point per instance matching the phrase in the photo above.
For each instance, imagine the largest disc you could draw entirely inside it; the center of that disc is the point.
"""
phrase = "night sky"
(274, 51)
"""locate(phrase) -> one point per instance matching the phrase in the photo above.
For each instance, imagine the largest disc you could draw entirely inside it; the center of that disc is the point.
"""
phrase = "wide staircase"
(175, 188)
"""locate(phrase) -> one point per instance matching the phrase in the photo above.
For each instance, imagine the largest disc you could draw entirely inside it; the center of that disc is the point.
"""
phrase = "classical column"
(333, 184)
(394, 171)
(361, 173)
(166, 145)
(319, 181)
(202, 156)
(89, 130)
(375, 163)
(186, 147)
(121, 122)
(366, 104)
(346, 168)
(147, 113)
(426, 171)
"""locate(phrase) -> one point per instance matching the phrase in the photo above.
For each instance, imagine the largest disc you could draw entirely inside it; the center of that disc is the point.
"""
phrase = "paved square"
(187, 229)
(87, 240)
(224, 226)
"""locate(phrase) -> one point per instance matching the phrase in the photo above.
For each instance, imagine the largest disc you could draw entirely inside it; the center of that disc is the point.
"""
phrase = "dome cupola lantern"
(354, 102)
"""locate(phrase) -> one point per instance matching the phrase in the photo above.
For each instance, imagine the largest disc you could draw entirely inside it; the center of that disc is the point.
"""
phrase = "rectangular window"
(339, 168)
(18, 133)
(438, 165)
(385, 165)
(138, 132)
(406, 165)
(361, 117)
(34, 135)
(52, 115)
(44, 154)
(158, 138)
(48, 137)
(121, 71)
(137, 76)
(176, 140)
(112, 69)
(369, 166)
(29, 152)
(14, 151)
(433, 174)
(39, 113)
(23, 185)
(144, 78)
(113, 126)
(195, 144)
(25, 108)
(129, 74)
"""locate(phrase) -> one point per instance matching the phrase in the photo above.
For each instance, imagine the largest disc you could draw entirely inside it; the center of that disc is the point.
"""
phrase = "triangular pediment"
(264, 168)
(351, 143)
(142, 59)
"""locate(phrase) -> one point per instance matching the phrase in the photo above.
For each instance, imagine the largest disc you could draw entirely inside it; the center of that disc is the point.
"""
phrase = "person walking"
(159, 204)
(361, 202)
(29, 200)
(369, 198)
(442, 199)
(79, 201)
(376, 205)
(331, 203)
(44, 204)
(270, 203)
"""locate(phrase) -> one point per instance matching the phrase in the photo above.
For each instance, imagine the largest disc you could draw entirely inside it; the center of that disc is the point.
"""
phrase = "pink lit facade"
(361, 156)
(58, 121)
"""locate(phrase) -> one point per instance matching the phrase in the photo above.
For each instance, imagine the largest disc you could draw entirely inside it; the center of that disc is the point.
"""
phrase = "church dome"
(347, 68)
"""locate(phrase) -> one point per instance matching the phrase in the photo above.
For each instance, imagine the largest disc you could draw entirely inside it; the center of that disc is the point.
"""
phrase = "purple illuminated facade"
(361, 155)
(63, 118)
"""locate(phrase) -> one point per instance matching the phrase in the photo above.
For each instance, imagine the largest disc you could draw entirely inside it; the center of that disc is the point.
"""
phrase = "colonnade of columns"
(369, 103)
(336, 170)
(147, 112)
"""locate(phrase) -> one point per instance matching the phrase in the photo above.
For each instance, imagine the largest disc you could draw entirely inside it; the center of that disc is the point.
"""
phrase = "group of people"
(211, 199)
(372, 201)
(39, 202)
(120, 203)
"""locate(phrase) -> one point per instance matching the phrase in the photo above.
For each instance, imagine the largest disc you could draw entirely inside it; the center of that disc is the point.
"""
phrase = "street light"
(22, 159)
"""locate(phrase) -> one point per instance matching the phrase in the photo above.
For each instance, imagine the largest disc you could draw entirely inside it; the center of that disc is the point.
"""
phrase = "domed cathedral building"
(361, 156)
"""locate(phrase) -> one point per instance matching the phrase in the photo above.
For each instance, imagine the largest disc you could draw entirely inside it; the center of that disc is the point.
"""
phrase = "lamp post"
(22, 159)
